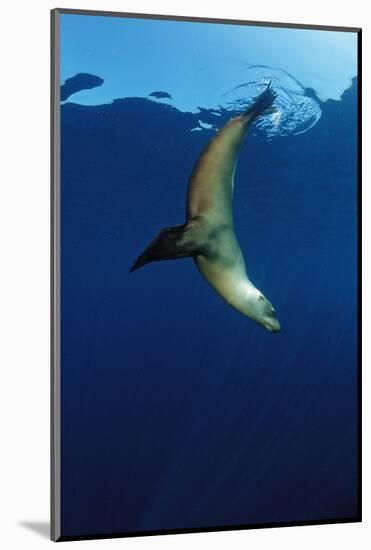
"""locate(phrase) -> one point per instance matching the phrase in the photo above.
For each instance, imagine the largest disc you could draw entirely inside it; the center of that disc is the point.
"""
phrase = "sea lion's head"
(263, 312)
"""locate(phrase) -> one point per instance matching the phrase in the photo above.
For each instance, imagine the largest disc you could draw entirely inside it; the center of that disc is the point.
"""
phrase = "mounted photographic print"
(205, 274)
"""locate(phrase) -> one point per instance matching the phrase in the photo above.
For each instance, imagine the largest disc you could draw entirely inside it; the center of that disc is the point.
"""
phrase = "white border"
(24, 219)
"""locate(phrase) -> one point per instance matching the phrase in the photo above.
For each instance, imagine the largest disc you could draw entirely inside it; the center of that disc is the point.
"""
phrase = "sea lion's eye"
(261, 297)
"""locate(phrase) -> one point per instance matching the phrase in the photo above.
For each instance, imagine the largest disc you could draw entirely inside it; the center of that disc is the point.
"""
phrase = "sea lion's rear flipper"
(179, 241)
(262, 104)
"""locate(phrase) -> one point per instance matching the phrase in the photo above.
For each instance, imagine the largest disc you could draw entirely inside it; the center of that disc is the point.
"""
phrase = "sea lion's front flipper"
(179, 241)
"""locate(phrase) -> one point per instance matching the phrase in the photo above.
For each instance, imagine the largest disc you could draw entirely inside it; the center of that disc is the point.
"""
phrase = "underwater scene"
(179, 409)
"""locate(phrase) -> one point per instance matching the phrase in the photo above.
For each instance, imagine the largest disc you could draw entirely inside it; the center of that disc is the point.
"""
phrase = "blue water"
(177, 412)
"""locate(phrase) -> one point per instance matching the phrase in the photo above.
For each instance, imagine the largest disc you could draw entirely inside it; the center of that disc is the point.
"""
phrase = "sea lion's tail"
(261, 104)
(172, 243)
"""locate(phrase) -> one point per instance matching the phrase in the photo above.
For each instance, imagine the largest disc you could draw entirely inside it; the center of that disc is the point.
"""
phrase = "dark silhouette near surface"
(81, 81)
(160, 95)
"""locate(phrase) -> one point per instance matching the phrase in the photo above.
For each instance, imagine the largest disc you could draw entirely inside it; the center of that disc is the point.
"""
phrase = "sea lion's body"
(210, 199)
(208, 234)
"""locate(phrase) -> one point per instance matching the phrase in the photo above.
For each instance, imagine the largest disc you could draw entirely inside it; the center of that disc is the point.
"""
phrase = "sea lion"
(208, 234)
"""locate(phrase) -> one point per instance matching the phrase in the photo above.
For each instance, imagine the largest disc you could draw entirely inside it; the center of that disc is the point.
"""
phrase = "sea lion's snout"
(272, 325)
(266, 314)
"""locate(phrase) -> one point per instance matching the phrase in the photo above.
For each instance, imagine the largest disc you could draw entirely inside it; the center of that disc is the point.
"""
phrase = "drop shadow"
(42, 528)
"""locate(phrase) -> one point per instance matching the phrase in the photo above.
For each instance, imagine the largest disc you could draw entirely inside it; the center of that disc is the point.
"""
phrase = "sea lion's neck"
(243, 296)
(232, 284)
